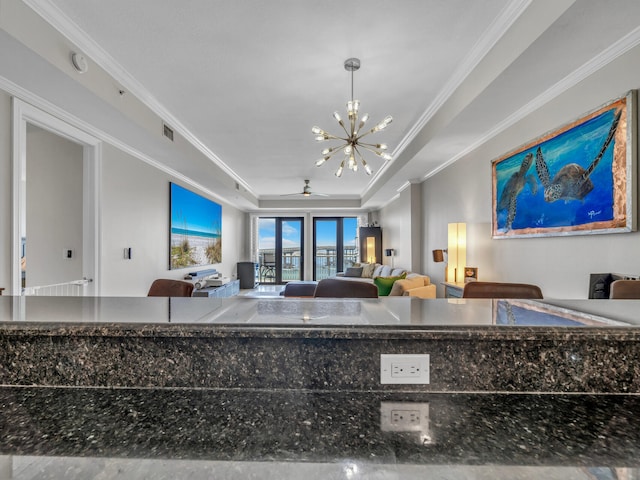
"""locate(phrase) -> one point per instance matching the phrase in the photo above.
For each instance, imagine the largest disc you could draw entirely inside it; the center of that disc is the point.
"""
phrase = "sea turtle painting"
(513, 187)
(572, 182)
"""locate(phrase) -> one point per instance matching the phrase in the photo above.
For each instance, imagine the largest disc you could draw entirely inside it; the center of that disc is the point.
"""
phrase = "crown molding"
(619, 48)
(48, 107)
(489, 39)
(66, 27)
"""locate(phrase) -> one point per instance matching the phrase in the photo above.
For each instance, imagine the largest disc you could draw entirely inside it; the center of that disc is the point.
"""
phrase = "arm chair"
(625, 289)
(334, 288)
(501, 290)
(170, 288)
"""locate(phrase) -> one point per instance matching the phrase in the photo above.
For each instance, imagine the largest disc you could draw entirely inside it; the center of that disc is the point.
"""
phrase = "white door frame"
(22, 114)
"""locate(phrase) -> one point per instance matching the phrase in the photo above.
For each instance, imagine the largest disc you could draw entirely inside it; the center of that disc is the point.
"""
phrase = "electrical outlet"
(404, 417)
(404, 369)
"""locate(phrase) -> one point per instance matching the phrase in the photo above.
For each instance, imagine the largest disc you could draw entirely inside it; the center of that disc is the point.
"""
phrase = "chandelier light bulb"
(366, 166)
(352, 162)
(352, 144)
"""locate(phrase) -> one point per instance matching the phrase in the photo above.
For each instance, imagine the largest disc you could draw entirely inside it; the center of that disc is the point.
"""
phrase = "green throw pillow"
(385, 284)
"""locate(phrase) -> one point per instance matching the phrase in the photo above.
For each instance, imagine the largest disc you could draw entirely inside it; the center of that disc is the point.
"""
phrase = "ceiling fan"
(306, 192)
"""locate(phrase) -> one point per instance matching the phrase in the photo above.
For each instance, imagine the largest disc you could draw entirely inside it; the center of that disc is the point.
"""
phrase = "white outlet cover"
(399, 369)
(404, 417)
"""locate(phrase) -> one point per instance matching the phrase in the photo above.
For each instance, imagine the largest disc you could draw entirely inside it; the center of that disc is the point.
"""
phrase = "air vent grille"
(167, 131)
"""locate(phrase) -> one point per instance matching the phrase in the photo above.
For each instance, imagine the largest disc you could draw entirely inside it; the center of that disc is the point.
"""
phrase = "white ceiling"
(248, 79)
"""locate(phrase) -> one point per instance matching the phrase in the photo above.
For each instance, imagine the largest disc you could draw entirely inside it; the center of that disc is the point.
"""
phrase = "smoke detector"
(79, 62)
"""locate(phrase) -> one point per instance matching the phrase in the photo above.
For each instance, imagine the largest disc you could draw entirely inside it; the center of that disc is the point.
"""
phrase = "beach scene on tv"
(196, 229)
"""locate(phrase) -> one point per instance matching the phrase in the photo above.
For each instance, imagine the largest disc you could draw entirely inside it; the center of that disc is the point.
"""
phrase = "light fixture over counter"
(353, 144)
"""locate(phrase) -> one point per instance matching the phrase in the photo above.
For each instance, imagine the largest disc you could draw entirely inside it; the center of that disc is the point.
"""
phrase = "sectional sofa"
(390, 281)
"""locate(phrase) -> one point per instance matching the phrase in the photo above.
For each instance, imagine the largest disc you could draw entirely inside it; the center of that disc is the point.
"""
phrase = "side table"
(452, 289)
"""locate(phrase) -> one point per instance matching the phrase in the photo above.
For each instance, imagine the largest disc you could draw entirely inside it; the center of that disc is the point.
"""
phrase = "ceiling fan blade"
(306, 192)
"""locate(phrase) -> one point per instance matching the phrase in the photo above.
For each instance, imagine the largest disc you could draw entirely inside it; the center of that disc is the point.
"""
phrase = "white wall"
(54, 208)
(462, 193)
(396, 230)
(135, 214)
(401, 222)
(5, 192)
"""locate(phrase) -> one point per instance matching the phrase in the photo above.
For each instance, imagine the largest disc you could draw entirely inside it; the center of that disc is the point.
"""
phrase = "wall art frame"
(578, 179)
(195, 229)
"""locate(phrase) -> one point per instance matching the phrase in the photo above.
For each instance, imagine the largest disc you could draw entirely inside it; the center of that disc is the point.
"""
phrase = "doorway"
(54, 259)
(335, 245)
(280, 249)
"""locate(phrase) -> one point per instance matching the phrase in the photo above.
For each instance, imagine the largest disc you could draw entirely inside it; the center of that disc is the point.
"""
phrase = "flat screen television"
(196, 229)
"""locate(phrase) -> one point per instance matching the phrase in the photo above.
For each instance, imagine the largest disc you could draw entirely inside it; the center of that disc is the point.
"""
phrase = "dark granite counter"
(251, 388)
(335, 345)
(365, 431)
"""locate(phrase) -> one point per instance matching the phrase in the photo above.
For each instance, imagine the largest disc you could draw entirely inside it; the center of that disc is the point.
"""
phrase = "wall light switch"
(68, 253)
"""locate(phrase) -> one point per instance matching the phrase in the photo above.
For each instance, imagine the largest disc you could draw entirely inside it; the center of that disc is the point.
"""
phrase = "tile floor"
(262, 291)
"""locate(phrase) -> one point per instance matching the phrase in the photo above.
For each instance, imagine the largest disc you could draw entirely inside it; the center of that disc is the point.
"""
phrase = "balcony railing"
(326, 261)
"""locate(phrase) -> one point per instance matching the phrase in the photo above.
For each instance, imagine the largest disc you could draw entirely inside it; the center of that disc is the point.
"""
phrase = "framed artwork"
(470, 274)
(532, 313)
(196, 230)
(578, 179)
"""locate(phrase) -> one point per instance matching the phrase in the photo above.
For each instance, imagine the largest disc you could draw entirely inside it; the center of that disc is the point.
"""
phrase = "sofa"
(390, 281)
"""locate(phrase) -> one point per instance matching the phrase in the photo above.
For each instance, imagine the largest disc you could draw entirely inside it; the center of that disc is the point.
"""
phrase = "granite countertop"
(299, 426)
(165, 314)
(287, 389)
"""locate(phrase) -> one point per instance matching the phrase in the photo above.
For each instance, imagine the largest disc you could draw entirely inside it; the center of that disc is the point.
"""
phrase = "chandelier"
(353, 144)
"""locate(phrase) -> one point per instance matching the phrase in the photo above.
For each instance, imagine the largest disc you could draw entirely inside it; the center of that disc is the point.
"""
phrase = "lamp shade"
(370, 244)
(438, 256)
(457, 251)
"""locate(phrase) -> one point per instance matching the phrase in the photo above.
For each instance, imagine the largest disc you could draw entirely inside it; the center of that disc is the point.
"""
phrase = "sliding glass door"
(335, 246)
(280, 249)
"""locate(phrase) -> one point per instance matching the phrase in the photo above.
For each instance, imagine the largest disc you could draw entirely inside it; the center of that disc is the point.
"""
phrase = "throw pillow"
(386, 271)
(377, 271)
(353, 272)
(401, 286)
(367, 269)
(397, 272)
(385, 284)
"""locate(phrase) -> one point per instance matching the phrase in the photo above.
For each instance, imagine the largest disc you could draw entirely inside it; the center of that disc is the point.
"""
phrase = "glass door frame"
(278, 249)
(339, 241)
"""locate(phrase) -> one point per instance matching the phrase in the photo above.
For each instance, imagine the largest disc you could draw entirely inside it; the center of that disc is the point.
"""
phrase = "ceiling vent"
(167, 131)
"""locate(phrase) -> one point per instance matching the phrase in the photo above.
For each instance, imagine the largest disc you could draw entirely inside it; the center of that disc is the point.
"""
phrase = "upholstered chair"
(170, 288)
(334, 288)
(501, 290)
(625, 289)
